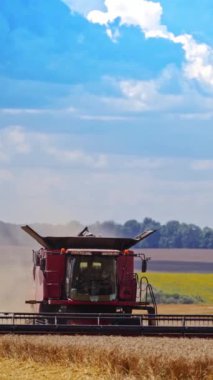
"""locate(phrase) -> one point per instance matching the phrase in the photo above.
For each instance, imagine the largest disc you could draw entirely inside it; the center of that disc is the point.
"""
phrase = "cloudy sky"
(106, 110)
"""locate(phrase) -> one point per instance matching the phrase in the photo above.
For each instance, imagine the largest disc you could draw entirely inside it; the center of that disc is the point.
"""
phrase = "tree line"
(173, 234)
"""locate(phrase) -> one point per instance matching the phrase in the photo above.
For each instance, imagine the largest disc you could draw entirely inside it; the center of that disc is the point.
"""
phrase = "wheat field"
(105, 358)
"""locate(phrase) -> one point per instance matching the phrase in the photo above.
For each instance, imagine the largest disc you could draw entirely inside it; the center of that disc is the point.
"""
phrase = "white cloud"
(17, 141)
(202, 165)
(127, 186)
(167, 93)
(197, 116)
(147, 15)
(83, 6)
(5, 175)
(128, 103)
(146, 164)
(15, 136)
(78, 157)
(35, 111)
(103, 117)
(142, 95)
(199, 59)
(18, 111)
(41, 182)
(73, 195)
(13, 141)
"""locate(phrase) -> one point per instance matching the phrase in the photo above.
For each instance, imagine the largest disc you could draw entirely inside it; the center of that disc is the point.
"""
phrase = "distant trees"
(207, 238)
(173, 234)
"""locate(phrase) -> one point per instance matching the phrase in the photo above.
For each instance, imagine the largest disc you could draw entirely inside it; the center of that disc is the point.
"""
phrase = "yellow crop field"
(188, 284)
(105, 358)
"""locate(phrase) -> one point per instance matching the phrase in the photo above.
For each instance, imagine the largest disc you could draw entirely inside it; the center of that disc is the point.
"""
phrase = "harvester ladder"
(146, 293)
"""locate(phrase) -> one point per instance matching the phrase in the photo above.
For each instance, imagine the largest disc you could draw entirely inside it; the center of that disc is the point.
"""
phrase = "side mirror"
(42, 264)
(144, 266)
(36, 258)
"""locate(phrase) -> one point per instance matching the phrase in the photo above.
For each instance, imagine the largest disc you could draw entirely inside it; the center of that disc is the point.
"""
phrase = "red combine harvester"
(88, 274)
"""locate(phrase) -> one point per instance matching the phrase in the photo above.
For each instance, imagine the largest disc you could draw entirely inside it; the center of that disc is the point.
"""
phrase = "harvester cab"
(89, 274)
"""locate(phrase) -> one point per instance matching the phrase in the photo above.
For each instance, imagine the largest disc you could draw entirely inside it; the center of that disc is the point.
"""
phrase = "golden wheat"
(81, 357)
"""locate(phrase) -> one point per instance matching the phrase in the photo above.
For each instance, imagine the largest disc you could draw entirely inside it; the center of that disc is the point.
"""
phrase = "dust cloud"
(16, 281)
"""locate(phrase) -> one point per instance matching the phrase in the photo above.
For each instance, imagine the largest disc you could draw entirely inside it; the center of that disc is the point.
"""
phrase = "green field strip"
(190, 284)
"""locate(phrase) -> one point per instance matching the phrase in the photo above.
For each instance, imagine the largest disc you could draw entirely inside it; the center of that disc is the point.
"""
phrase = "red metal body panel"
(127, 285)
(100, 303)
(54, 276)
(50, 281)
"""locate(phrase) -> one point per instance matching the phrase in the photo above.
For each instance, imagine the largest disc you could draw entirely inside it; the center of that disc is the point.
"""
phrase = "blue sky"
(106, 110)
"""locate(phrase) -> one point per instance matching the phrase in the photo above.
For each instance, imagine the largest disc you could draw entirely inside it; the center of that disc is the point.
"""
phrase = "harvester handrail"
(101, 319)
(148, 292)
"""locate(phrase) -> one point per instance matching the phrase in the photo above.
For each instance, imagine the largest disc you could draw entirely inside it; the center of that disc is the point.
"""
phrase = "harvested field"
(179, 260)
(185, 309)
(105, 358)
(184, 254)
